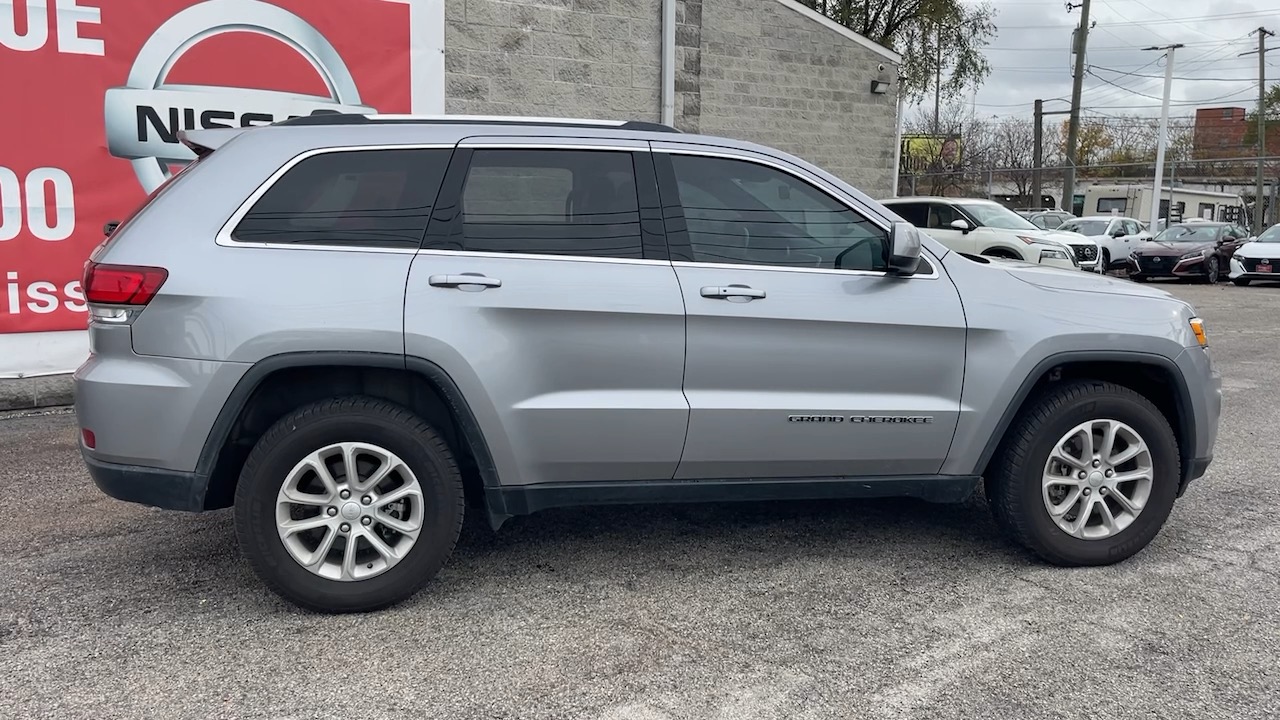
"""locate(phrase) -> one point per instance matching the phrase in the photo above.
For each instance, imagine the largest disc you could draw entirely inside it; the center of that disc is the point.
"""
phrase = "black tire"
(1105, 260)
(1013, 482)
(351, 419)
(1242, 282)
(1211, 274)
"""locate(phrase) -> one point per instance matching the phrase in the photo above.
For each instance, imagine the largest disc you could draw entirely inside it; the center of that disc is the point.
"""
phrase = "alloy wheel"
(1098, 479)
(349, 511)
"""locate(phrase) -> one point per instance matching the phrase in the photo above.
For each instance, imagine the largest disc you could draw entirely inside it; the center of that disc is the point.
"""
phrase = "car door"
(544, 291)
(803, 358)
(1231, 237)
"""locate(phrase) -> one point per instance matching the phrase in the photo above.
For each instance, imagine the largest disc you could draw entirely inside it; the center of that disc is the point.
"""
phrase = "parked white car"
(985, 227)
(1258, 259)
(1116, 235)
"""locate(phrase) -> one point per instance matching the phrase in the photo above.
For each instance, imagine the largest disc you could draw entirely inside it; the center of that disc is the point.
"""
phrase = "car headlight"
(1028, 240)
(1053, 255)
(1193, 255)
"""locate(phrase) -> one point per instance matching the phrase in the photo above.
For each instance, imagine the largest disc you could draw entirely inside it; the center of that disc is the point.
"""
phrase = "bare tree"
(1013, 151)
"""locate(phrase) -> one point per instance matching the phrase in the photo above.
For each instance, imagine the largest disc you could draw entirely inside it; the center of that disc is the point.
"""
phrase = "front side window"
(1086, 227)
(552, 202)
(740, 212)
(361, 198)
(941, 216)
(1130, 227)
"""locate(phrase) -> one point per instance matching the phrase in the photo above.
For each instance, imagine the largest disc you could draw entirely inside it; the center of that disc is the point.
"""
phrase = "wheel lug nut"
(1083, 475)
(332, 511)
(1096, 463)
(1102, 490)
(1111, 473)
(345, 494)
(1086, 491)
(366, 521)
(344, 527)
(366, 499)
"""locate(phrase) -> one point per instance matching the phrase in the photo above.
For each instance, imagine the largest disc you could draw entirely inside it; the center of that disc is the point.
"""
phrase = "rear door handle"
(469, 282)
(732, 293)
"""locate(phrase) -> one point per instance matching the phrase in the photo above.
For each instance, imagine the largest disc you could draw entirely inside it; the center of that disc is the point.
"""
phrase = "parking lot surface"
(872, 609)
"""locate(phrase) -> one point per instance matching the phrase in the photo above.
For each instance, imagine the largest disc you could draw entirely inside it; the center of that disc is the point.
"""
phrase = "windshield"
(1086, 227)
(1189, 234)
(1272, 235)
(997, 216)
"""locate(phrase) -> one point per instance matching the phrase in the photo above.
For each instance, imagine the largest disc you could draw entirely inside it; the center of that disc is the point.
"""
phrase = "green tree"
(934, 37)
(1271, 103)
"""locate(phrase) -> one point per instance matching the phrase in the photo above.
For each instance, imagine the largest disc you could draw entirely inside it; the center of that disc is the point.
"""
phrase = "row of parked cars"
(1194, 249)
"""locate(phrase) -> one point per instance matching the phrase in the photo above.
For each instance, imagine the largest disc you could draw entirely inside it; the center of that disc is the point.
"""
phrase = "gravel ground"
(872, 609)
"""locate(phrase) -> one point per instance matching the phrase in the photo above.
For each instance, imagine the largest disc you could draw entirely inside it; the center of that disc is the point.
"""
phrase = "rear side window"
(552, 202)
(913, 212)
(358, 198)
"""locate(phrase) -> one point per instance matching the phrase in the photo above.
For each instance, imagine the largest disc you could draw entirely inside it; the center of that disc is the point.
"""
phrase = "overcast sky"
(1030, 55)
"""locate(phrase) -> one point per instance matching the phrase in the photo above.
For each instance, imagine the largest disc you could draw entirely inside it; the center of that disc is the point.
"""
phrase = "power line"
(1175, 77)
(1201, 18)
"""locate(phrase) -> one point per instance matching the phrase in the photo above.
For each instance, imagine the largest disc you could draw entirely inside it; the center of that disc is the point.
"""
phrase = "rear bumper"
(167, 489)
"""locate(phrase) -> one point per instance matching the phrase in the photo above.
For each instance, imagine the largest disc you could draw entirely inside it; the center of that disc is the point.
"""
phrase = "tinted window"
(915, 213)
(744, 213)
(1130, 227)
(366, 198)
(552, 202)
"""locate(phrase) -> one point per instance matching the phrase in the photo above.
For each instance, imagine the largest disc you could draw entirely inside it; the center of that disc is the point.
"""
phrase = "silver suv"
(351, 328)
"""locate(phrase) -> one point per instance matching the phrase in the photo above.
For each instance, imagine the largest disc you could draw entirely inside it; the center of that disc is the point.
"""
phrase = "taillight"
(121, 284)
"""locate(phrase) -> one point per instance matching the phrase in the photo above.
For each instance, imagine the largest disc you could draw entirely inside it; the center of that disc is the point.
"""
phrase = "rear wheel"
(348, 505)
(1087, 475)
(1242, 282)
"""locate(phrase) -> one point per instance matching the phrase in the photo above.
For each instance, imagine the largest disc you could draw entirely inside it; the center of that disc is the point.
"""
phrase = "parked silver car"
(350, 327)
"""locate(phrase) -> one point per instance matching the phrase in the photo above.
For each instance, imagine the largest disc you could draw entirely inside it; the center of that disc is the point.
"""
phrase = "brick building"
(767, 71)
(1220, 133)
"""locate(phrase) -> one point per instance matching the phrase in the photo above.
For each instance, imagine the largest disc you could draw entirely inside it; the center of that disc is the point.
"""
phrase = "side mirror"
(904, 249)
(1118, 232)
(110, 227)
(962, 225)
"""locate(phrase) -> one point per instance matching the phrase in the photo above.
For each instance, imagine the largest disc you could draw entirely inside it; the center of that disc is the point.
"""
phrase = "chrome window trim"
(537, 256)
(932, 275)
(224, 239)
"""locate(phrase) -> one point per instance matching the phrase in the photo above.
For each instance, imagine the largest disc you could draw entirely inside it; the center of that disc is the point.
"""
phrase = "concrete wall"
(768, 73)
(760, 70)
(574, 58)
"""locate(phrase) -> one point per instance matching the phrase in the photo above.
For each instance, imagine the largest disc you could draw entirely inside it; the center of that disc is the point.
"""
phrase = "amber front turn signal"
(1197, 327)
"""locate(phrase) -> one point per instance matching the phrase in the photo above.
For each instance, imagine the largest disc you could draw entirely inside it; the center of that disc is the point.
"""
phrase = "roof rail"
(334, 118)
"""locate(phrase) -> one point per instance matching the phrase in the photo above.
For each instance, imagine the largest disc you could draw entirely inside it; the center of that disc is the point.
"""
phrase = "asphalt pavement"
(868, 609)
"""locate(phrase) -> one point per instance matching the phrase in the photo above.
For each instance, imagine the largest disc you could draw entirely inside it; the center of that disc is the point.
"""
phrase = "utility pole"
(1164, 134)
(1037, 155)
(1073, 124)
(1258, 220)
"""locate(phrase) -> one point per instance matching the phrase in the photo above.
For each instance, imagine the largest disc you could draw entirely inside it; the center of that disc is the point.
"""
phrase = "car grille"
(1251, 264)
(1086, 253)
(1157, 265)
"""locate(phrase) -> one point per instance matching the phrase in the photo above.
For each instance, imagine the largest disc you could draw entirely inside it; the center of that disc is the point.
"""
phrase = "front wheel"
(1087, 474)
(348, 505)
(1104, 261)
(1211, 270)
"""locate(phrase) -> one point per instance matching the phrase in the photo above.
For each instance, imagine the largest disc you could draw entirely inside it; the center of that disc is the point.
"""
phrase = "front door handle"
(469, 282)
(732, 293)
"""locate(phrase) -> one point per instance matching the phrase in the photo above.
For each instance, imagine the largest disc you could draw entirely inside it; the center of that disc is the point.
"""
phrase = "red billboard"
(94, 92)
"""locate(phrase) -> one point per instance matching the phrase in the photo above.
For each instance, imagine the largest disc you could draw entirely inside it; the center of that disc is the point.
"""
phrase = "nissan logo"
(144, 117)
